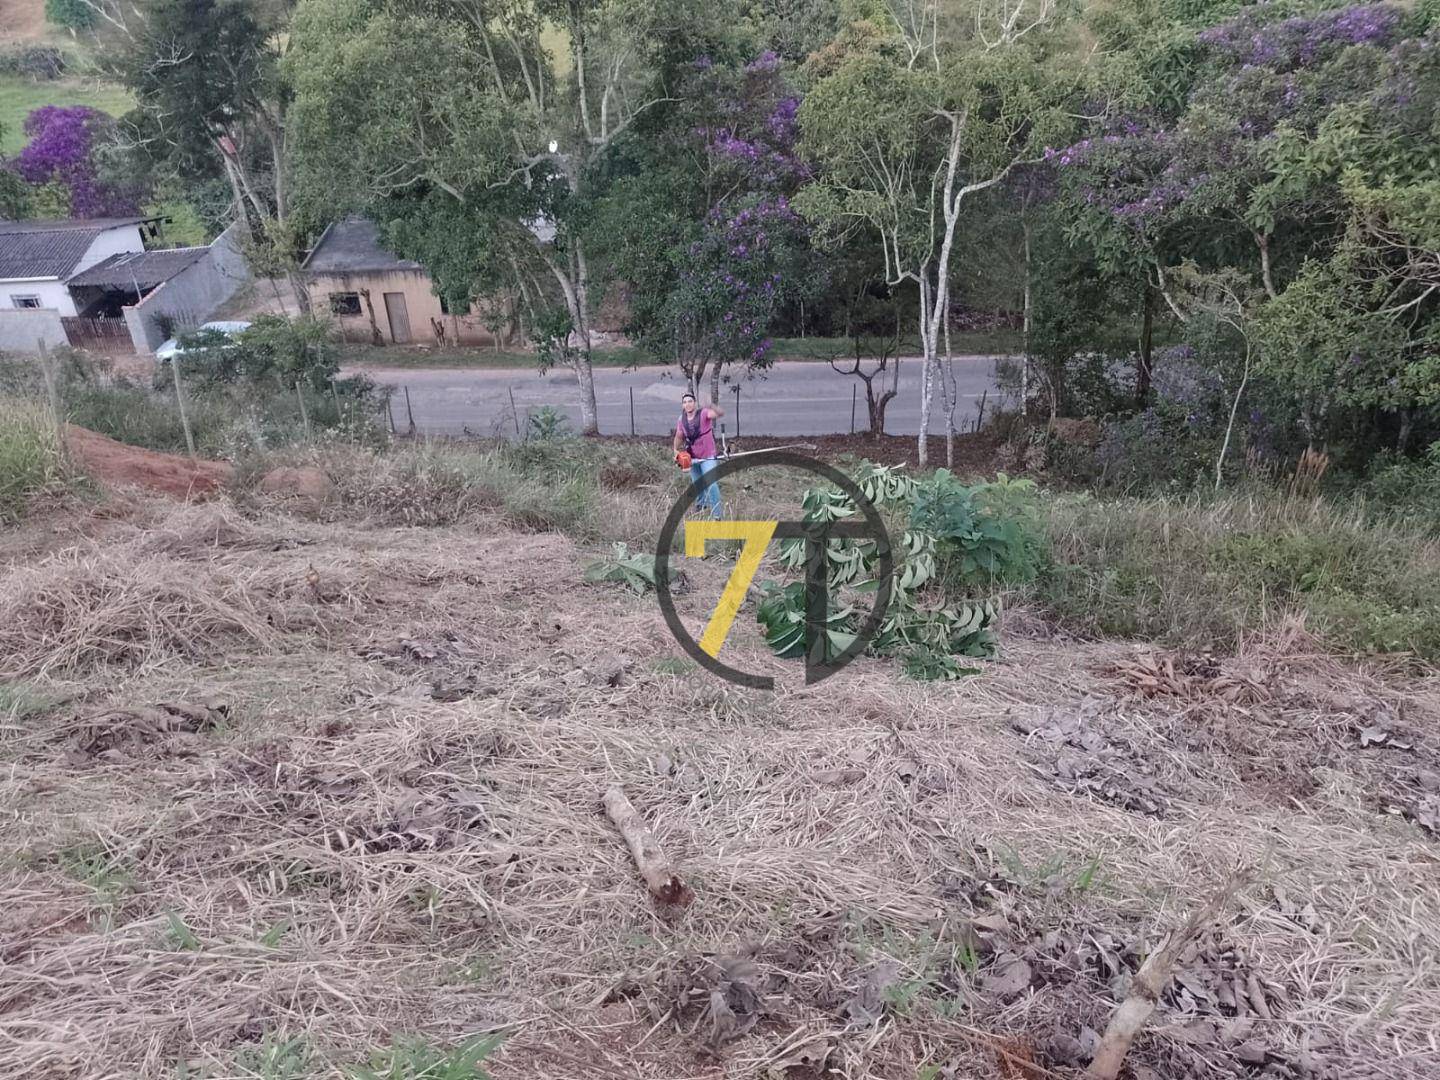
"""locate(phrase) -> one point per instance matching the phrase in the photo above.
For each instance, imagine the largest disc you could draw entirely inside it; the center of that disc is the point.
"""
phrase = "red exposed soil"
(116, 465)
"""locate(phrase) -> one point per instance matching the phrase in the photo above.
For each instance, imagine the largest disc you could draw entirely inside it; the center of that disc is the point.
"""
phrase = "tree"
(14, 194)
(698, 230)
(61, 155)
(436, 109)
(71, 14)
(210, 98)
(913, 111)
(1283, 144)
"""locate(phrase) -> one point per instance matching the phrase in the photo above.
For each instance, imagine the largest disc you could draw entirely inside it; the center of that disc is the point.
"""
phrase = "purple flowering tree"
(1245, 173)
(62, 151)
(745, 128)
(703, 236)
(751, 259)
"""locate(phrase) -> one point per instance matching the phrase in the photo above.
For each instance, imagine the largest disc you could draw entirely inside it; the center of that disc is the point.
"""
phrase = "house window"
(448, 308)
(345, 303)
(25, 301)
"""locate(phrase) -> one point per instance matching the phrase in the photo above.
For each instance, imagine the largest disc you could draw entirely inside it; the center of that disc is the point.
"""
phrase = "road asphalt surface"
(792, 398)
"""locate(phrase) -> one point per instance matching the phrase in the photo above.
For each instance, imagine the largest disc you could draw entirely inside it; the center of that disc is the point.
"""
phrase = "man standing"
(695, 435)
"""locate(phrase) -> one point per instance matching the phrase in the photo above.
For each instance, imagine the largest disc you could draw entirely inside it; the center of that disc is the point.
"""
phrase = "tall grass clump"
(1205, 573)
(588, 491)
(31, 458)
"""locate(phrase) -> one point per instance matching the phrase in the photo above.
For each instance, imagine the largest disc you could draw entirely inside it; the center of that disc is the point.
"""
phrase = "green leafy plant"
(885, 485)
(416, 1059)
(178, 935)
(100, 869)
(636, 572)
(71, 14)
(927, 665)
(964, 629)
(548, 423)
(982, 535)
(275, 1058)
(781, 613)
(958, 538)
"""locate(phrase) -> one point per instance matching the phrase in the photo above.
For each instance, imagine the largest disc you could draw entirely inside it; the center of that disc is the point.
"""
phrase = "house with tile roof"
(38, 258)
(93, 284)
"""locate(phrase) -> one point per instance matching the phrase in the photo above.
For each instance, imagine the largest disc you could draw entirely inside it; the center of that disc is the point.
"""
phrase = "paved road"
(792, 398)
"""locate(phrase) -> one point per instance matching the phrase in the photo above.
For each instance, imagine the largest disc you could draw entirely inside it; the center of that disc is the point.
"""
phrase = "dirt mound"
(114, 464)
(307, 483)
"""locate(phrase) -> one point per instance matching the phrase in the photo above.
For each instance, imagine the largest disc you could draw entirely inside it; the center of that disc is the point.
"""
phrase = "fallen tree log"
(1150, 982)
(667, 885)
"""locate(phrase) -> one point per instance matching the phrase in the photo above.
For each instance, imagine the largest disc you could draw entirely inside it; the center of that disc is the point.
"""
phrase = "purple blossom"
(763, 64)
(60, 150)
(1256, 38)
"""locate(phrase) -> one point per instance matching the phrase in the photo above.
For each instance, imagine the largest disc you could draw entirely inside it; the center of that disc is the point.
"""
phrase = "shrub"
(955, 540)
(1205, 572)
(71, 14)
(1407, 489)
(274, 351)
(986, 535)
(39, 62)
(1162, 448)
(31, 461)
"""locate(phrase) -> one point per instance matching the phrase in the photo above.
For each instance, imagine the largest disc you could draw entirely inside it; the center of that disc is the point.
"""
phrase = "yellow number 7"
(756, 537)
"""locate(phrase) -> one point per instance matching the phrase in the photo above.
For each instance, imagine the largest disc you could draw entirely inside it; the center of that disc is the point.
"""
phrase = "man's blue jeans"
(709, 494)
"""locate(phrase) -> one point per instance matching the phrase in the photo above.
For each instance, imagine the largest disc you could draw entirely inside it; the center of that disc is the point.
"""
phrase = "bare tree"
(945, 131)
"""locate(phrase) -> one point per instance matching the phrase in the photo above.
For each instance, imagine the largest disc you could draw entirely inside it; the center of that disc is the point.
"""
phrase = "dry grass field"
(299, 794)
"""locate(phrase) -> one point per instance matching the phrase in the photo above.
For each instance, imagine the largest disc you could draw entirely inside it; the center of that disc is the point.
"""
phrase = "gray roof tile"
(49, 249)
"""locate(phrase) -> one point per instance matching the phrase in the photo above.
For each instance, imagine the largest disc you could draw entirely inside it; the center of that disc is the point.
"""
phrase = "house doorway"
(399, 317)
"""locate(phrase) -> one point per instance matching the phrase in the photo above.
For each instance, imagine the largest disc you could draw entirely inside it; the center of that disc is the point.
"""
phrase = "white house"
(37, 258)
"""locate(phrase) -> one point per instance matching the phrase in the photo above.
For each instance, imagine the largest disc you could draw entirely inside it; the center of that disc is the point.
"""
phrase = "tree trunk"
(237, 196)
(927, 371)
(376, 338)
(878, 405)
(1230, 426)
(1144, 364)
(1407, 425)
(180, 404)
(951, 394)
(589, 414)
(939, 299)
(1025, 327)
(715, 383)
(277, 156)
(573, 286)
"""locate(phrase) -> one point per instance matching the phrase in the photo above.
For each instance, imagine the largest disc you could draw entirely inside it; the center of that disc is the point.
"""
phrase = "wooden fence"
(111, 335)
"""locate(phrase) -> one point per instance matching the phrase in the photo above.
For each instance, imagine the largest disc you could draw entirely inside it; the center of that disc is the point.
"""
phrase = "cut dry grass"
(79, 610)
(397, 828)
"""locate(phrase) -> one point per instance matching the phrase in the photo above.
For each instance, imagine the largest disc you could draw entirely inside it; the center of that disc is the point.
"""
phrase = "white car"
(174, 348)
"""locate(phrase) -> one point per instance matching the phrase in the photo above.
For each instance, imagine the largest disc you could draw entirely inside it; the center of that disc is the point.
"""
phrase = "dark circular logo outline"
(873, 527)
